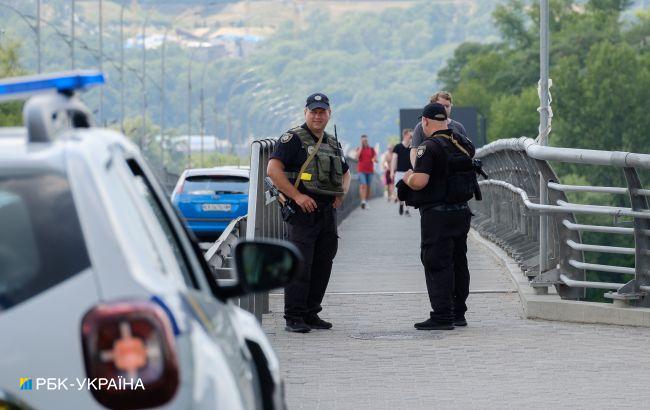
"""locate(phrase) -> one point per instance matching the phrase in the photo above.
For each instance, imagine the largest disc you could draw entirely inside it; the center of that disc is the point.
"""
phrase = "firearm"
(287, 207)
(478, 168)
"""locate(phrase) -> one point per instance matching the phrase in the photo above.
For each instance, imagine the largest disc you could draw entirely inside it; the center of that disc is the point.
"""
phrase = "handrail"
(509, 215)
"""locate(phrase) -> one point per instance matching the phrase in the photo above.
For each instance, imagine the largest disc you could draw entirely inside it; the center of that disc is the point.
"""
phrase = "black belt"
(444, 207)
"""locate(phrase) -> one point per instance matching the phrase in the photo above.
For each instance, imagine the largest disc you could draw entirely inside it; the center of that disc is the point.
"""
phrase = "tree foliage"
(600, 66)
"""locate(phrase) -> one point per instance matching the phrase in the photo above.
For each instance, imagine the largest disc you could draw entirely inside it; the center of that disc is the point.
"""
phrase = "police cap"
(435, 111)
(317, 100)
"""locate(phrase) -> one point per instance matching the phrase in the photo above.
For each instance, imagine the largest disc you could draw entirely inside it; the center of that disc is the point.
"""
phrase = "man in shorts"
(366, 157)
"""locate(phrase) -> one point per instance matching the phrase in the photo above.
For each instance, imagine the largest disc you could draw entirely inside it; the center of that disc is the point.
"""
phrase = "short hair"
(406, 131)
(363, 136)
(441, 94)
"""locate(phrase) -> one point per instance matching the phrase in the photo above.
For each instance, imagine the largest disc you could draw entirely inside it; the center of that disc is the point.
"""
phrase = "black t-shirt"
(454, 126)
(290, 152)
(403, 157)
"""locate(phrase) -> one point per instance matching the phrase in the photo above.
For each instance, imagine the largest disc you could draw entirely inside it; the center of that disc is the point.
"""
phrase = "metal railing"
(511, 211)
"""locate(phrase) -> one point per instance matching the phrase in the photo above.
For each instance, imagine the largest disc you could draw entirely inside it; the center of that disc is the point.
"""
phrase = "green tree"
(10, 112)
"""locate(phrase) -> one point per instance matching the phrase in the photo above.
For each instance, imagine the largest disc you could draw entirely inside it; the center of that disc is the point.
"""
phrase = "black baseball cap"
(434, 111)
(317, 100)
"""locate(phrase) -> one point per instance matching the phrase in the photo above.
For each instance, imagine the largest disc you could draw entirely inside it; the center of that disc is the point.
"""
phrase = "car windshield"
(215, 184)
(41, 243)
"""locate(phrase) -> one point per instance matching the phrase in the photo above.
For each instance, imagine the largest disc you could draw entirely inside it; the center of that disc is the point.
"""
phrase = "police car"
(104, 299)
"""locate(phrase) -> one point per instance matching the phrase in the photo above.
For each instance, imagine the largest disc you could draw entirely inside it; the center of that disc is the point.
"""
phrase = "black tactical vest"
(324, 174)
(458, 183)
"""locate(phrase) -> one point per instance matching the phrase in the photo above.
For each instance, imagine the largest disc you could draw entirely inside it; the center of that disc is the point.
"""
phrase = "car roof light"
(67, 82)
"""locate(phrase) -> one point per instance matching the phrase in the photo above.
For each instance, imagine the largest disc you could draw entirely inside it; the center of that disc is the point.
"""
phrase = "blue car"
(209, 198)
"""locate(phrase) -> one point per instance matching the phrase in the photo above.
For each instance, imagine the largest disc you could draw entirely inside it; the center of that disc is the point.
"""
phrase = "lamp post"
(38, 34)
(144, 80)
(122, 68)
(163, 102)
(72, 32)
(36, 28)
(544, 126)
(101, 61)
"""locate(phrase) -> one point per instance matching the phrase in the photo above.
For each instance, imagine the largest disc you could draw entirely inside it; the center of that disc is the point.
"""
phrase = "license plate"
(216, 207)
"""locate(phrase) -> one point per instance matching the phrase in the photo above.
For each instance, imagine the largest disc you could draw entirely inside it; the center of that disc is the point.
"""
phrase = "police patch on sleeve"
(421, 150)
(286, 137)
(311, 149)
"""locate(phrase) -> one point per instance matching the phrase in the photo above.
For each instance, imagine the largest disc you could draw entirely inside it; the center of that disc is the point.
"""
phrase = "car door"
(46, 285)
(218, 348)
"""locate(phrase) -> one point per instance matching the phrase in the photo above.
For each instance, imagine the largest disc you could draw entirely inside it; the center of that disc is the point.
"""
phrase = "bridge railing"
(511, 211)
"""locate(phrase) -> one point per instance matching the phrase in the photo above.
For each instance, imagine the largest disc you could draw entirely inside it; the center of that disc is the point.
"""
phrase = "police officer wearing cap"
(442, 181)
(308, 166)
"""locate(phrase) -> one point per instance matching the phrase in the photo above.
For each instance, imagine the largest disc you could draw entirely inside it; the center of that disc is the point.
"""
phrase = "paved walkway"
(375, 359)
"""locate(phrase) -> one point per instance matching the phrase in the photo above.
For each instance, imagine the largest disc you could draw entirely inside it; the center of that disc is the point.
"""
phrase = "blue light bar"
(17, 88)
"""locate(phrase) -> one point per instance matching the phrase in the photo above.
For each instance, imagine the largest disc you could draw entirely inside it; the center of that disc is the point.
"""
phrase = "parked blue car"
(209, 198)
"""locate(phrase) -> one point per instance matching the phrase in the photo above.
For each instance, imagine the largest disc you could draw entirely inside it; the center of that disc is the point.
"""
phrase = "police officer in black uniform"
(443, 180)
(308, 167)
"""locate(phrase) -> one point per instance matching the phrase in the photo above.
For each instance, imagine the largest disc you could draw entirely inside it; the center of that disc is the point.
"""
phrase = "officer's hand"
(338, 201)
(406, 176)
(305, 202)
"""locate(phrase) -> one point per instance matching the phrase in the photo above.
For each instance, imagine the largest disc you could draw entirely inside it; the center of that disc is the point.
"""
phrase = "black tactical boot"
(317, 323)
(432, 324)
(297, 326)
(460, 321)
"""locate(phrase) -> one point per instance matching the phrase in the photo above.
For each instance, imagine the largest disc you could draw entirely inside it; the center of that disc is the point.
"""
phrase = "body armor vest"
(324, 173)
(456, 186)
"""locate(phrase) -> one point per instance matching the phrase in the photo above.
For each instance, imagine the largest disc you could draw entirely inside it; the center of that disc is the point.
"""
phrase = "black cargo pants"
(315, 235)
(444, 256)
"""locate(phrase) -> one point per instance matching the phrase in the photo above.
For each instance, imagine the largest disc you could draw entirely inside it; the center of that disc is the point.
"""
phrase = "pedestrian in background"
(401, 163)
(443, 98)
(366, 158)
(386, 159)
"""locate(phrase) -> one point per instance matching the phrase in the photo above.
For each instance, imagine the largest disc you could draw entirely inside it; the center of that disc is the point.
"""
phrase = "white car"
(104, 299)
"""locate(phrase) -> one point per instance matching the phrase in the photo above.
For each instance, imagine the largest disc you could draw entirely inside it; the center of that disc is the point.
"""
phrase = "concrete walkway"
(375, 359)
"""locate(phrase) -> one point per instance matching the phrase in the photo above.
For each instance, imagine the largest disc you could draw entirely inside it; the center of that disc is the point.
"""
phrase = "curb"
(551, 307)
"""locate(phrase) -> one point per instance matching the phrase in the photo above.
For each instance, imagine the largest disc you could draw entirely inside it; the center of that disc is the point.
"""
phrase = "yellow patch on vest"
(305, 176)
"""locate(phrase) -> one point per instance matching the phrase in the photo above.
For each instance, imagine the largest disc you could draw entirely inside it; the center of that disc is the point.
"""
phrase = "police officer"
(443, 181)
(308, 166)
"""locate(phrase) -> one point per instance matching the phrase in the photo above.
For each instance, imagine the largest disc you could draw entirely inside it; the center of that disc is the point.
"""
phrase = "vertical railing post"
(631, 292)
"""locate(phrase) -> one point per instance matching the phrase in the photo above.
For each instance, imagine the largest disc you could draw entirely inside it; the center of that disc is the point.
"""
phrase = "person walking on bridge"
(308, 166)
(443, 181)
(443, 98)
(366, 158)
(401, 163)
(386, 160)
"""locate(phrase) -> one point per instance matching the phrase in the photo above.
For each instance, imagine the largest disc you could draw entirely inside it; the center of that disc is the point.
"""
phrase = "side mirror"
(266, 264)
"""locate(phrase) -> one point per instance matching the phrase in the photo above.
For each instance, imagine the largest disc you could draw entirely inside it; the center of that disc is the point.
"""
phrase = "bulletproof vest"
(456, 186)
(324, 174)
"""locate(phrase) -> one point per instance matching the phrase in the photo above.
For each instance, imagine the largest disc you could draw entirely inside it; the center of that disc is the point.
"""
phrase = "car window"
(211, 184)
(144, 188)
(41, 242)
